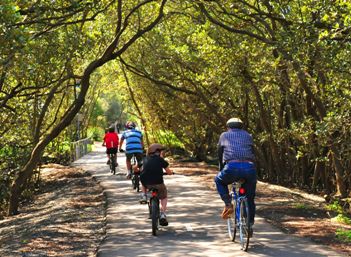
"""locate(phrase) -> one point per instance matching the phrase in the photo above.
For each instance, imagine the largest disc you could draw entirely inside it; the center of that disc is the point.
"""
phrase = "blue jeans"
(234, 171)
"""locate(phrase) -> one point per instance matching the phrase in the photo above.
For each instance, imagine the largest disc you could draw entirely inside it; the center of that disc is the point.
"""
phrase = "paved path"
(195, 228)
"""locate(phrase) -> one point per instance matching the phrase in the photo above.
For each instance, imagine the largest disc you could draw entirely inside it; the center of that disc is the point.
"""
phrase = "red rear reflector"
(241, 191)
(153, 193)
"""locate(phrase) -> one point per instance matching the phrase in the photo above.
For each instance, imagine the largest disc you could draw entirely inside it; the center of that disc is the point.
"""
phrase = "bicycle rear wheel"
(111, 163)
(136, 182)
(154, 215)
(133, 180)
(244, 225)
(232, 223)
(114, 160)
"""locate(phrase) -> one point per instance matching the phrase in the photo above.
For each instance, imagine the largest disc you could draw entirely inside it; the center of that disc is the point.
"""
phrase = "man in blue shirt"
(236, 159)
(134, 145)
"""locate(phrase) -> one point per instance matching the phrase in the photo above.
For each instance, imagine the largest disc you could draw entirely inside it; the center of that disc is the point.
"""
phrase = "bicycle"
(135, 175)
(239, 220)
(113, 162)
(154, 209)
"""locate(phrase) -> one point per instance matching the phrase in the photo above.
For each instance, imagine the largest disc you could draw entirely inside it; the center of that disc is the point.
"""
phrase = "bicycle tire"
(232, 223)
(154, 216)
(114, 160)
(133, 180)
(111, 165)
(244, 225)
(137, 184)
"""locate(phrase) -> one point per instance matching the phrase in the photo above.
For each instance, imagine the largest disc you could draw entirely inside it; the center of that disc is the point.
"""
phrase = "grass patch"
(301, 206)
(342, 218)
(335, 206)
(344, 235)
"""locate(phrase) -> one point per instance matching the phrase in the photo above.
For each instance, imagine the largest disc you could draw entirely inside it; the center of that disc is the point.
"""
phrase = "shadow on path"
(195, 228)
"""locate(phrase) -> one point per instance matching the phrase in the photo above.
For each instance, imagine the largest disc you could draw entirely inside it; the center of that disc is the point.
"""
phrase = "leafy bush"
(341, 217)
(169, 138)
(344, 235)
(96, 133)
(335, 206)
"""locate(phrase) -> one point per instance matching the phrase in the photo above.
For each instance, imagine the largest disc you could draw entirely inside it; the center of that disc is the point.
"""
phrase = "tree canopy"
(181, 69)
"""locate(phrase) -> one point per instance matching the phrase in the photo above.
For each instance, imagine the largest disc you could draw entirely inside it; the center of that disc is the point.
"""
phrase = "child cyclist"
(152, 176)
(111, 143)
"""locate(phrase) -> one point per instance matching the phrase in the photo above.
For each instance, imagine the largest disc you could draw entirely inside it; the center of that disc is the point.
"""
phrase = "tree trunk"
(110, 54)
(317, 172)
(264, 118)
(339, 172)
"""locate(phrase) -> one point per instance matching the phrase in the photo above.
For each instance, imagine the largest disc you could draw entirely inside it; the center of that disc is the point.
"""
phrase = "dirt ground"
(67, 217)
(293, 211)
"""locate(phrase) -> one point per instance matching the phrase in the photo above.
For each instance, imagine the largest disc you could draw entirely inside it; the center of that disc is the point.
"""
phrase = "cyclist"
(236, 161)
(111, 143)
(152, 176)
(134, 145)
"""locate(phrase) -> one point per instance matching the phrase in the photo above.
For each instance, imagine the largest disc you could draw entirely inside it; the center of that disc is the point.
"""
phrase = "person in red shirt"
(111, 141)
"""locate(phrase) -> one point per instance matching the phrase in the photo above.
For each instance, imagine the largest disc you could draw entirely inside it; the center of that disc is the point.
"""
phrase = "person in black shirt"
(152, 176)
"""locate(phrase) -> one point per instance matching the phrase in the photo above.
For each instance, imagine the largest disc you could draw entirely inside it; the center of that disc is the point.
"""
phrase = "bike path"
(195, 227)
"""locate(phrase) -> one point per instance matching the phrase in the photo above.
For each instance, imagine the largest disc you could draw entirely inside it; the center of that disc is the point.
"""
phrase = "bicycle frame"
(239, 219)
(113, 161)
(135, 176)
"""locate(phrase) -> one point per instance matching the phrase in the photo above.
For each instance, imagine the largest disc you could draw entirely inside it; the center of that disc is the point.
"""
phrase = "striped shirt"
(133, 139)
(237, 145)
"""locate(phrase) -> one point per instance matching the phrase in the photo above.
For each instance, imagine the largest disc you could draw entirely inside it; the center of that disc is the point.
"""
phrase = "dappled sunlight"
(195, 226)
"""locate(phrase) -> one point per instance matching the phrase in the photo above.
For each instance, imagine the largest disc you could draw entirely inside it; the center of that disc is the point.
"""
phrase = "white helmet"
(234, 123)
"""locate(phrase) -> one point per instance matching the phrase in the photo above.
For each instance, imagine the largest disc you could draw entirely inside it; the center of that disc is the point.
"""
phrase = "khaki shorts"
(162, 190)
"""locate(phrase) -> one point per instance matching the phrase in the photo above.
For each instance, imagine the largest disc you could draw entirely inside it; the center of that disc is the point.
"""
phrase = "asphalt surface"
(195, 227)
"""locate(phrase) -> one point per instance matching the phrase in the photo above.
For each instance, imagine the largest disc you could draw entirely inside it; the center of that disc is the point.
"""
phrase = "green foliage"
(168, 138)
(342, 216)
(344, 235)
(96, 133)
(285, 74)
(335, 206)
(58, 152)
(301, 206)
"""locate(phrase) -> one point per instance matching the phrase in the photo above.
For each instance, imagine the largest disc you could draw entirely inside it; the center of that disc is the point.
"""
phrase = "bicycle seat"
(153, 189)
(242, 181)
(239, 182)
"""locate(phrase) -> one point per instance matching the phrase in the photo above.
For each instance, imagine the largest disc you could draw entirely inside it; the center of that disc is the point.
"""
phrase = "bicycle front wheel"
(154, 216)
(232, 223)
(244, 225)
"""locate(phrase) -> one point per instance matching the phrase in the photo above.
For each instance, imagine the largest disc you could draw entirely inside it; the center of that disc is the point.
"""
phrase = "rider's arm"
(104, 142)
(120, 143)
(220, 157)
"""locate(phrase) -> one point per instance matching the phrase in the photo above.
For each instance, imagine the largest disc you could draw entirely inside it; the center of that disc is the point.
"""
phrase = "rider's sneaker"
(228, 209)
(143, 198)
(163, 219)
